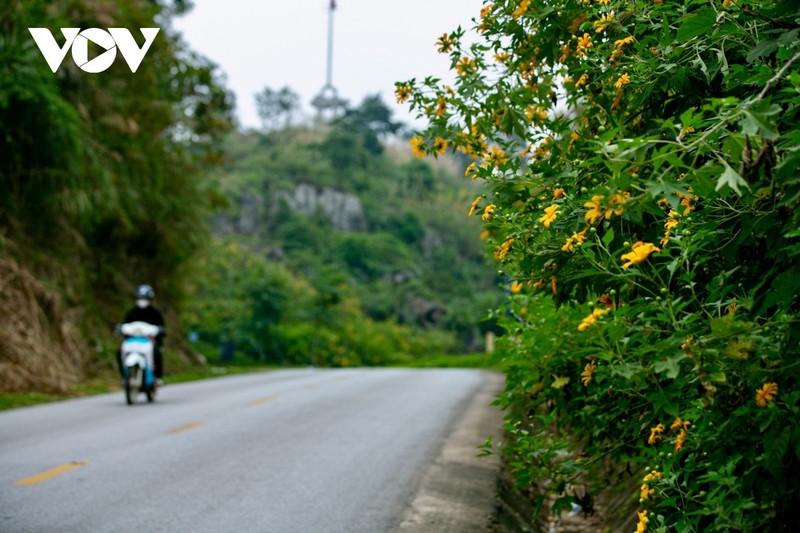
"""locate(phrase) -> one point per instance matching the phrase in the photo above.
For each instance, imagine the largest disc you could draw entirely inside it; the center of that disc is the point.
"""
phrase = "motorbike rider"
(144, 311)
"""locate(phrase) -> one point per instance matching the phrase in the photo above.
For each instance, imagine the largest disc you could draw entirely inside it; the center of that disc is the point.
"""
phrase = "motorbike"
(136, 353)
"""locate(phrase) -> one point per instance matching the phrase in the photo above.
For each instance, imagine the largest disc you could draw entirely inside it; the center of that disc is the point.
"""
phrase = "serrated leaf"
(732, 179)
(764, 48)
(670, 366)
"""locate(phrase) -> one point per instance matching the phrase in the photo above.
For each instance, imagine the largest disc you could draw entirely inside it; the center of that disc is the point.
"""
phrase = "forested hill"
(327, 247)
(101, 185)
(340, 248)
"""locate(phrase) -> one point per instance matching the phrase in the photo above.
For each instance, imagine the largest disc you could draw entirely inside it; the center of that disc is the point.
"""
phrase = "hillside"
(300, 245)
(102, 186)
(338, 250)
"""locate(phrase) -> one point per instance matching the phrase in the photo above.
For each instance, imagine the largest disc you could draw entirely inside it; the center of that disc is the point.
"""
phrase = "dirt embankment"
(40, 349)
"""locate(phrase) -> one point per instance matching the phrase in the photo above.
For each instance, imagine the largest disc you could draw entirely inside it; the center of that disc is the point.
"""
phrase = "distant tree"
(372, 114)
(274, 107)
(372, 119)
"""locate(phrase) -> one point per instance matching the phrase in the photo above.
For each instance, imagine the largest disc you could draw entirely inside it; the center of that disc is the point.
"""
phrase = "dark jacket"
(148, 314)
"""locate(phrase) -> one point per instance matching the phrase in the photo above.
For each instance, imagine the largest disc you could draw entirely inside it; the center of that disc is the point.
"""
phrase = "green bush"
(643, 162)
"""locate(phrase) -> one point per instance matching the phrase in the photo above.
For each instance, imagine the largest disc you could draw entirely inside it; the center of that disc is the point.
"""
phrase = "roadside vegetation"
(300, 243)
(642, 160)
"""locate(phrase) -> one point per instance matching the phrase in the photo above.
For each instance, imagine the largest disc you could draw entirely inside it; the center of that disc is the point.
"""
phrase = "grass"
(473, 360)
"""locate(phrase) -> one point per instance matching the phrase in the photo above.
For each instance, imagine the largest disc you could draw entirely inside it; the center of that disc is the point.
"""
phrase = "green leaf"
(608, 237)
(560, 382)
(696, 25)
(760, 121)
(764, 48)
(670, 365)
(732, 179)
(728, 326)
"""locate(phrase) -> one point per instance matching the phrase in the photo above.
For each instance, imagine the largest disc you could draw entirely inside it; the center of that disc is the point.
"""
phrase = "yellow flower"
(497, 157)
(470, 169)
(536, 112)
(417, 146)
(641, 526)
(590, 320)
(588, 373)
(488, 212)
(564, 54)
(615, 203)
(549, 216)
(619, 43)
(687, 201)
(686, 347)
(683, 428)
(670, 224)
(402, 91)
(503, 250)
(484, 234)
(559, 193)
(640, 251)
(604, 2)
(516, 287)
(655, 474)
(623, 80)
(766, 394)
(441, 106)
(522, 9)
(465, 65)
(680, 440)
(646, 492)
(445, 44)
(584, 43)
(440, 146)
(569, 246)
(501, 57)
(655, 434)
(474, 205)
(595, 210)
(582, 80)
(603, 23)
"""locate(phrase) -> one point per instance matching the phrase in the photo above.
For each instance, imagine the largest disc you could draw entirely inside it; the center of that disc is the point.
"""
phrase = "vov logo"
(112, 40)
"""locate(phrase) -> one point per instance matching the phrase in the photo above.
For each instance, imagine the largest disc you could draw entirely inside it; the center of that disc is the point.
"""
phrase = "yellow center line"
(53, 472)
(261, 401)
(186, 427)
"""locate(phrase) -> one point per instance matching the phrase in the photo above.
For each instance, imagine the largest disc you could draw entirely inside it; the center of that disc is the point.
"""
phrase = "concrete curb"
(457, 493)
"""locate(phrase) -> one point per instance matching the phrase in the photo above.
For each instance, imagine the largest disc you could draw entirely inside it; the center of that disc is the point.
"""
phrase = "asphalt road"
(301, 451)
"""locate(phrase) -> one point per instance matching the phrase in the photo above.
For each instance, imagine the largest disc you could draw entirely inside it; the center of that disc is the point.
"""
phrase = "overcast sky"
(277, 43)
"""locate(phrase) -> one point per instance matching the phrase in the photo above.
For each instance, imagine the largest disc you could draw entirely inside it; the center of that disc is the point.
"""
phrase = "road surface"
(301, 451)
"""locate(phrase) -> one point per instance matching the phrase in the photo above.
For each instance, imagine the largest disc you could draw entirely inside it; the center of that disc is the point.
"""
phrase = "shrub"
(643, 163)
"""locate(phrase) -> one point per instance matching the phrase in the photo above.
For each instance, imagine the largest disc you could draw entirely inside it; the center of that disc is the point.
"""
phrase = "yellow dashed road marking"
(261, 401)
(186, 427)
(53, 472)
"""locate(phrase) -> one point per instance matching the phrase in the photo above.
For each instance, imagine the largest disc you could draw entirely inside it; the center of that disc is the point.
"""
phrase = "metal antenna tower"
(328, 99)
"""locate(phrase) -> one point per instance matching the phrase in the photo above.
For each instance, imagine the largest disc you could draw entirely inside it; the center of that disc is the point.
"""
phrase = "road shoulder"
(457, 492)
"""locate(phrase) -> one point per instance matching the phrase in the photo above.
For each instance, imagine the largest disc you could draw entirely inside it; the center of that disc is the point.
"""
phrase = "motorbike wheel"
(129, 393)
(132, 383)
